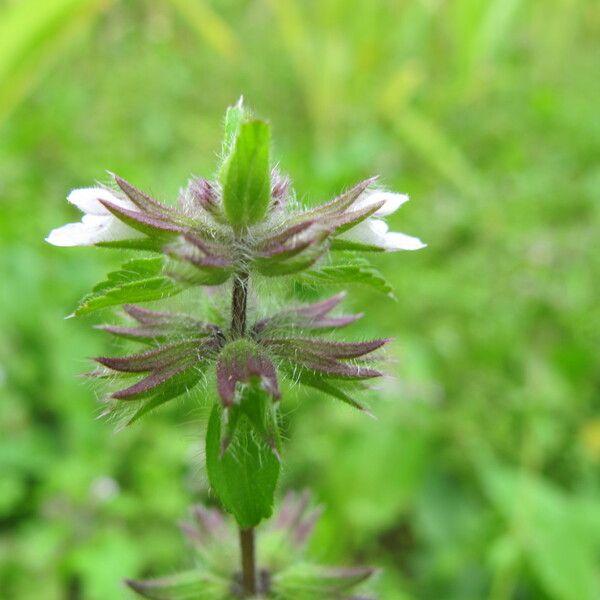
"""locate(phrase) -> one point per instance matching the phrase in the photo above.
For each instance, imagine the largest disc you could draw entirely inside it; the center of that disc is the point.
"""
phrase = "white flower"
(98, 224)
(391, 202)
(374, 231)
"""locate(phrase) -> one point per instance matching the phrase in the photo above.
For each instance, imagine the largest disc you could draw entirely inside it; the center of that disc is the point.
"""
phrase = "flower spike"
(227, 234)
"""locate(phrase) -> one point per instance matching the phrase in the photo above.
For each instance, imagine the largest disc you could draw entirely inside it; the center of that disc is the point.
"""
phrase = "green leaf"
(137, 268)
(137, 281)
(142, 290)
(246, 176)
(189, 585)
(358, 271)
(244, 478)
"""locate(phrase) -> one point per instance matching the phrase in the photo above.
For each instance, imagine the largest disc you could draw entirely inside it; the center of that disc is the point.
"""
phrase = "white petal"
(370, 232)
(92, 230)
(392, 202)
(374, 232)
(87, 200)
(114, 230)
(72, 234)
(376, 226)
(400, 241)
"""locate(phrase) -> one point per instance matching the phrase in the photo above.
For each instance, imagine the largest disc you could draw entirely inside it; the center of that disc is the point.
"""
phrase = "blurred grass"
(480, 477)
(32, 35)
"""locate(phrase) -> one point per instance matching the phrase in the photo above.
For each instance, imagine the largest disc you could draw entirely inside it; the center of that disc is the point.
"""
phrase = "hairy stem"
(248, 561)
(239, 303)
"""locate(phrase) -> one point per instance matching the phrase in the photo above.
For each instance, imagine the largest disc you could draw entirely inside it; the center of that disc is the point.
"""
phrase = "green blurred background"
(480, 477)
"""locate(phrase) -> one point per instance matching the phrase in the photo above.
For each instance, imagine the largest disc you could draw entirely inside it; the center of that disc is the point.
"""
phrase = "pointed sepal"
(309, 316)
(306, 581)
(189, 585)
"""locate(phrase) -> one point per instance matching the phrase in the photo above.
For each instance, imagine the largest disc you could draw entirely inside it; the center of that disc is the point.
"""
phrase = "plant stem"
(239, 303)
(248, 561)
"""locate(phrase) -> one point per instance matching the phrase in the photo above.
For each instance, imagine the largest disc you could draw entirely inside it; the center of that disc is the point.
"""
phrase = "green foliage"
(33, 35)
(355, 271)
(244, 477)
(138, 280)
(246, 174)
(210, 27)
(555, 536)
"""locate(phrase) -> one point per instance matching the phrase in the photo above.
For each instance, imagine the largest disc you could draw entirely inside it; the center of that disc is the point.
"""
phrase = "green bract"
(243, 472)
(246, 176)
